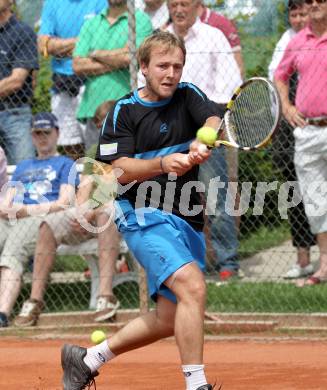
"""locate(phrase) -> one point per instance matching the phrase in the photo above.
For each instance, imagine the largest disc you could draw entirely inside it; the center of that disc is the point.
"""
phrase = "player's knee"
(196, 290)
(189, 284)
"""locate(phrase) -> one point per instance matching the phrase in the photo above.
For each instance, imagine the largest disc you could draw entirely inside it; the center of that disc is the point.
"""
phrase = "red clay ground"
(27, 364)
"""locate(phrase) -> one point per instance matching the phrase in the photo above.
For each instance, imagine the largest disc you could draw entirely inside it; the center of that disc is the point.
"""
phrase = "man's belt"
(319, 121)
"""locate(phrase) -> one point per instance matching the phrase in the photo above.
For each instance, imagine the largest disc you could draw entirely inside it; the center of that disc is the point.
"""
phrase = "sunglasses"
(41, 133)
(310, 2)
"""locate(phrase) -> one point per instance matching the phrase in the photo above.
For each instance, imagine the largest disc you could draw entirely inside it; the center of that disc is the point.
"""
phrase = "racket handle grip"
(204, 148)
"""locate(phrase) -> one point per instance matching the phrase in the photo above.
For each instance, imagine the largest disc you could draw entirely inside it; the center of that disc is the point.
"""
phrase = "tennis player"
(147, 136)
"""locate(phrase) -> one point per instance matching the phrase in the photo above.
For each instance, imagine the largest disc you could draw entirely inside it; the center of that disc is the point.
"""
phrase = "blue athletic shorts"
(161, 243)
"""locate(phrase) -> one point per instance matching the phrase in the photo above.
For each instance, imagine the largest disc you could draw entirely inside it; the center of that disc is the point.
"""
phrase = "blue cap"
(44, 121)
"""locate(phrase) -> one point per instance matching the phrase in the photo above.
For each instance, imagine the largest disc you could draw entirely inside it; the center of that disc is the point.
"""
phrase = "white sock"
(194, 376)
(98, 355)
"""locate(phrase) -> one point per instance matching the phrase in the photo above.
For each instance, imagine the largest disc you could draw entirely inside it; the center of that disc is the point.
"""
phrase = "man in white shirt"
(158, 12)
(210, 64)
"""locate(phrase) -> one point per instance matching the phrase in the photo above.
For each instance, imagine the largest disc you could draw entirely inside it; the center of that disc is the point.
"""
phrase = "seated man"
(74, 226)
(39, 185)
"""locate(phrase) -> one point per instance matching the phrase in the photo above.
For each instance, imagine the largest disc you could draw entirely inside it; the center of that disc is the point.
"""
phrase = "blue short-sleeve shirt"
(64, 19)
(39, 180)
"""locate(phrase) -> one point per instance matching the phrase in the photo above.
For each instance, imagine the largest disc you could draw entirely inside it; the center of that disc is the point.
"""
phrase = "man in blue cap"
(39, 186)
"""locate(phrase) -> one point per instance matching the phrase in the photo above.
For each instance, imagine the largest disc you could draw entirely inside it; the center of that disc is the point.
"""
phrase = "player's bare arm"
(290, 112)
(141, 170)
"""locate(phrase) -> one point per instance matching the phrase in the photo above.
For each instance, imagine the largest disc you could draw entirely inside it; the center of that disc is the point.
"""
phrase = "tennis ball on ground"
(207, 135)
(98, 336)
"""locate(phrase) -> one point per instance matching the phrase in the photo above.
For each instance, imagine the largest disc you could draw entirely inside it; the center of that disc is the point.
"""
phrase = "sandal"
(310, 281)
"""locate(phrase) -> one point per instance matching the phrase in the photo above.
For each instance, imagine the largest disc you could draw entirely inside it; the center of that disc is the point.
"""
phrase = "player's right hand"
(199, 153)
(178, 163)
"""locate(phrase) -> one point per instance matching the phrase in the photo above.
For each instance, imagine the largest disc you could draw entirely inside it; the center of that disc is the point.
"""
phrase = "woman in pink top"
(306, 55)
(283, 149)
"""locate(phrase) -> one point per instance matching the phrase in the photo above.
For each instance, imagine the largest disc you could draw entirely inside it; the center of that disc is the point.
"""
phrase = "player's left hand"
(199, 153)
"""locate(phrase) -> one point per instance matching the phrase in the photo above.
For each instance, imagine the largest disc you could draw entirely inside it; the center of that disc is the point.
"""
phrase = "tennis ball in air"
(207, 135)
(98, 336)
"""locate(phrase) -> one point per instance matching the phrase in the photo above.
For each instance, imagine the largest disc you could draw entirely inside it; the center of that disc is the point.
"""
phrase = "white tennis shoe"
(298, 272)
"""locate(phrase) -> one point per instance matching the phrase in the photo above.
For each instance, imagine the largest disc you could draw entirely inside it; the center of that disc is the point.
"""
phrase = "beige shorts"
(18, 242)
(60, 224)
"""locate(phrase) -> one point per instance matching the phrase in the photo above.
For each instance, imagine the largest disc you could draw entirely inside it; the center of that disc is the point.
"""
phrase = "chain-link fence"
(75, 59)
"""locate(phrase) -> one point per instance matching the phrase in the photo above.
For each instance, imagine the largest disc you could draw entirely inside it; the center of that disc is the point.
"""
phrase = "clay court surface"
(35, 365)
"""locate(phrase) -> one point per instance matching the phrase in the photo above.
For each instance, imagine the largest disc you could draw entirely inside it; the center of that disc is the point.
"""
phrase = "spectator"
(283, 148)
(18, 59)
(305, 55)
(61, 22)
(101, 55)
(298, 18)
(66, 227)
(211, 66)
(39, 185)
(219, 21)
(158, 12)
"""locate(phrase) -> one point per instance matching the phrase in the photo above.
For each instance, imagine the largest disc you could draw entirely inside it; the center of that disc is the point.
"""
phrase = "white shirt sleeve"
(279, 52)
(228, 76)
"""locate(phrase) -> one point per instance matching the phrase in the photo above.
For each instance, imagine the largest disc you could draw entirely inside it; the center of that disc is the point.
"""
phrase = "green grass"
(266, 297)
(69, 263)
(234, 297)
(63, 297)
(263, 238)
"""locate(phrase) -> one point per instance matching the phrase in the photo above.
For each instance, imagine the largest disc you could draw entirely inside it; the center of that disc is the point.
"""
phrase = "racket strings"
(253, 115)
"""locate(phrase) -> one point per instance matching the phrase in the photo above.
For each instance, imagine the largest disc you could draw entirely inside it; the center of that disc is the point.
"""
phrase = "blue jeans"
(223, 232)
(15, 134)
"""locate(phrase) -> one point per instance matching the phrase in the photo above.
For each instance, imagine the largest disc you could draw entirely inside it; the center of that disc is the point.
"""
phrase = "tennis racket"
(253, 115)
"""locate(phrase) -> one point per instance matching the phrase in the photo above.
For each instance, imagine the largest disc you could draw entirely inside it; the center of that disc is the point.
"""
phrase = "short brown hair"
(160, 38)
(295, 4)
(102, 110)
